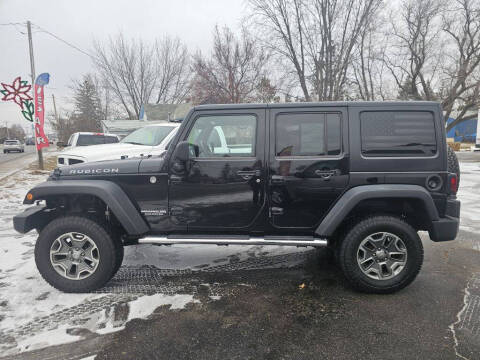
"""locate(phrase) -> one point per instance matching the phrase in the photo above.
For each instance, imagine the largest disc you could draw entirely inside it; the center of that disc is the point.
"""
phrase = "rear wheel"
(381, 254)
(75, 254)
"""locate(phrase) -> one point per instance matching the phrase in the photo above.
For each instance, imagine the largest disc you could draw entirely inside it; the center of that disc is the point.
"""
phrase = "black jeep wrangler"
(360, 177)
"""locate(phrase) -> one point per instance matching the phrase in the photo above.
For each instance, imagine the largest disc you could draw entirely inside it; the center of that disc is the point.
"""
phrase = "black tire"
(106, 248)
(357, 233)
(119, 252)
(452, 162)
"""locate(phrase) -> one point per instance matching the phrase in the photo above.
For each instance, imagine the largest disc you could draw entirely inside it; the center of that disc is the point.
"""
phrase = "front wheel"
(76, 254)
(381, 254)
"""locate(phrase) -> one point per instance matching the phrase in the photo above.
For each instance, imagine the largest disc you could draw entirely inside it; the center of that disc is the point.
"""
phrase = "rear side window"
(308, 134)
(85, 140)
(111, 139)
(398, 133)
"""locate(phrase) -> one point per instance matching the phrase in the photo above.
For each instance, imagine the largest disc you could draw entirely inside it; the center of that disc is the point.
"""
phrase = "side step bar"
(216, 240)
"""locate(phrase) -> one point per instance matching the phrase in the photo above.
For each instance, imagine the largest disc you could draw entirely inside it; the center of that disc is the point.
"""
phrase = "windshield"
(148, 135)
(11, 142)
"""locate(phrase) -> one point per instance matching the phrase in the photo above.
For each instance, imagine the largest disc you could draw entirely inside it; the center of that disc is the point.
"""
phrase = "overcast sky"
(81, 21)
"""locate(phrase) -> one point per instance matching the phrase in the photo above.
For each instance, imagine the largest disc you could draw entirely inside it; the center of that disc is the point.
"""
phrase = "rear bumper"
(446, 228)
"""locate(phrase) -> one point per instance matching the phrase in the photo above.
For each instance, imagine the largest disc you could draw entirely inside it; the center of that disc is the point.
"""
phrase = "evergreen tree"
(88, 109)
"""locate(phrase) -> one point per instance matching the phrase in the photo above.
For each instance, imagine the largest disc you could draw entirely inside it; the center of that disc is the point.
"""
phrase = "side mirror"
(61, 144)
(182, 154)
(184, 151)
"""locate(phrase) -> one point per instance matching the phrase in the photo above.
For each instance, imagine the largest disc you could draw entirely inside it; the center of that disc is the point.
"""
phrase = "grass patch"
(49, 164)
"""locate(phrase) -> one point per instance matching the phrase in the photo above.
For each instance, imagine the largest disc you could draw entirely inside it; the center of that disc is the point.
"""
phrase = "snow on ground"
(34, 315)
(469, 194)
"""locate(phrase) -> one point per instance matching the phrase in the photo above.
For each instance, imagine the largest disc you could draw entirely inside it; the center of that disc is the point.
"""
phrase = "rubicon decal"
(93, 171)
(154, 212)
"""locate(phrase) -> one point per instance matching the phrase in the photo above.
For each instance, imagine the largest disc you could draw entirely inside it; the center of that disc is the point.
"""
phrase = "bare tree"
(335, 31)
(461, 75)
(135, 72)
(281, 22)
(368, 74)
(233, 71)
(128, 69)
(172, 70)
(317, 37)
(16, 132)
(266, 91)
(415, 58)
(437, 55)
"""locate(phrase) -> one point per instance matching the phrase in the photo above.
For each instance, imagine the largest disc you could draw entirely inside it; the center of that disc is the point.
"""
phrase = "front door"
(224, 186)
(308, 164)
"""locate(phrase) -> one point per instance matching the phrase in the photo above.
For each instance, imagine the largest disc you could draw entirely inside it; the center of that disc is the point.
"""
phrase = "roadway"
(29, 150)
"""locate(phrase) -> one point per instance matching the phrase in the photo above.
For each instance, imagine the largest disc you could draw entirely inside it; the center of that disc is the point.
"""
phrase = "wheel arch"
(108, 192)
(379, 199)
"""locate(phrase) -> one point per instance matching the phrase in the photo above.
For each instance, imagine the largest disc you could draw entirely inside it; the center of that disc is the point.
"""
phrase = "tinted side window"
(110, 140)
(85, 140)
(307, 134)
(224, 135)
(398, 133)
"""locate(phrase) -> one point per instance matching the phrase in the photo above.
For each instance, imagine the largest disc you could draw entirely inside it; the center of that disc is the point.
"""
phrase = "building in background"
(466, 131)
(152, 114)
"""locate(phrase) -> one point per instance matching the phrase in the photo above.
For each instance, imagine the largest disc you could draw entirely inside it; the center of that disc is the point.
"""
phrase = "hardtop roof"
(316, 104)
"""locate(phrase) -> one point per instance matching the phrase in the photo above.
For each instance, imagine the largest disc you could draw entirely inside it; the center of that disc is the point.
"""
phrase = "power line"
(65, 42)
(15, 26)
(12, 23)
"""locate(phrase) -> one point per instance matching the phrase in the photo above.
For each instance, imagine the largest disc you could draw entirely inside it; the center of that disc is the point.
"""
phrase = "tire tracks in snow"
(466, 329)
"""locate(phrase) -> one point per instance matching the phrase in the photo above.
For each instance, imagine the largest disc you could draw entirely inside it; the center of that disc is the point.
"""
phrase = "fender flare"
(109, 192)
(382, 191)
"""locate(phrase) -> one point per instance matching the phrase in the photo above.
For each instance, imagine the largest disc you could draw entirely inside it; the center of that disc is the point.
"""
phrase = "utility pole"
(32, 67)
(56, 115)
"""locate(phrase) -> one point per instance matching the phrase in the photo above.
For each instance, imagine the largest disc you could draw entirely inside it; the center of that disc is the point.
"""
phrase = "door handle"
(247, 174)
(325, 174)
(175, 179)
(274, 210)
(277, 179)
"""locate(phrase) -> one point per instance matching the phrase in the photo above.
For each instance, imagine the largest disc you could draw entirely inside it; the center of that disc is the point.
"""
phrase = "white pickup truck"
(149, 140)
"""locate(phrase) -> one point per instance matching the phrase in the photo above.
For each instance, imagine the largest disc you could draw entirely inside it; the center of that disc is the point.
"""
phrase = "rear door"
(308, 164)
(225, 186)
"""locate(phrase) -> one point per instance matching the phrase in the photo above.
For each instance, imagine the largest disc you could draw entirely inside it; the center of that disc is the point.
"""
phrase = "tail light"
(453, 183)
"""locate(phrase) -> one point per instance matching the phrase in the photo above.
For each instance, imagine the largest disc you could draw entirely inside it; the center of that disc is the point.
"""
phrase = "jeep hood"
(110, 167)
(111, 151)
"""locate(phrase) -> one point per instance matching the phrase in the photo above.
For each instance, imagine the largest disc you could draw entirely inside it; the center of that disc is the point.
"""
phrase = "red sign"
(40, 136)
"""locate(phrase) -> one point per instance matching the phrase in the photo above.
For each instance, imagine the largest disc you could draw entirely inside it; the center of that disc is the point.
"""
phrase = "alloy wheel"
(382, 256)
